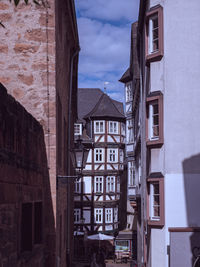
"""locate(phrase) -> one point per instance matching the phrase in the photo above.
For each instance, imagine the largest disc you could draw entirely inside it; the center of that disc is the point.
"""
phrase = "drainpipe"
(68, 155)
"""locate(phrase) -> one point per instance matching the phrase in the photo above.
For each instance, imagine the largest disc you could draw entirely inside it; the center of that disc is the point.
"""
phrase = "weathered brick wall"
(23, 179)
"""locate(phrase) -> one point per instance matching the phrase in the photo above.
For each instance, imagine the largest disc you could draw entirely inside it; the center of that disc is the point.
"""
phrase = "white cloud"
(104, 32)
(111, 10)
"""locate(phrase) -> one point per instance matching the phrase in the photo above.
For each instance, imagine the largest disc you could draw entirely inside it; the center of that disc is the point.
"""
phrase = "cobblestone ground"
(112, 264)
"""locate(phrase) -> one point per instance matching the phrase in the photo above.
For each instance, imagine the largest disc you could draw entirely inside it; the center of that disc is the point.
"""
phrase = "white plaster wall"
(87, 215)
(158, 251)
(157, 160)
(87, 186)
(182, 80)
(89, 158)
(110, 139)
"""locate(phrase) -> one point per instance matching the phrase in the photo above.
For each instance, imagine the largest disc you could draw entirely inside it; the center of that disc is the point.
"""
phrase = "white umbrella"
(100, 237)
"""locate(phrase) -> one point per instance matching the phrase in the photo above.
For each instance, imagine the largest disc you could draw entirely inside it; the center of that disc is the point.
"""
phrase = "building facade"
(25, 223)
(130, 79)
(39, 59)
(168, 225)
(101, 125)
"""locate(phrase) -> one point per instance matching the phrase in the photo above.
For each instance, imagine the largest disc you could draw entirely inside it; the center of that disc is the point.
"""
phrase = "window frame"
(108, 215)
(98, 183)
(103, 127)
(80, 129)
(99, 154)
(131, 174)
(159, 221)
(156, 11)
(130, 132)
(77, 186)
(152, 99)
(77, 212)
(111, 155)
(117, 127)
(98, 212)
(110, 183)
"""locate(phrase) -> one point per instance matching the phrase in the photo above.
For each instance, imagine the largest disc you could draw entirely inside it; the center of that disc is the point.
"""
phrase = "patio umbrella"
(100, 237)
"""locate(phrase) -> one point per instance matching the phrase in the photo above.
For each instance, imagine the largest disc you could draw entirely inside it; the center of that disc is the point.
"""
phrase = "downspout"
(68, 155)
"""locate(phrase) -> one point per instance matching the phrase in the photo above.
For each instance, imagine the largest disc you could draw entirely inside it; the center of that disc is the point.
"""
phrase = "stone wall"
(37, 47)
(24, 180)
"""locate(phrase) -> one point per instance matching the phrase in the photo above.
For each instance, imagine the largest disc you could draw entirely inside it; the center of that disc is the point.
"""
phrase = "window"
(122, 245)
(153, 121)
(154, 125)
(77, 129)
(77, 215)
(156, 200)
(98, 155)
(113, 127)
(108, 215)
(154, 34)
(99, 127)
(123, 128)
(115, 214)
(31, 225)
(98, 184)
(129, 95)
(130, 136)
(110, 183)
(98, 215)
(77, 186)
(112, 155)
(131, 171)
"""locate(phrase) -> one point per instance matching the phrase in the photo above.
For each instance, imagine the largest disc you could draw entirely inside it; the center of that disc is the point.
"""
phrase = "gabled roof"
(105, 107)
(92, 100)
(126, 77)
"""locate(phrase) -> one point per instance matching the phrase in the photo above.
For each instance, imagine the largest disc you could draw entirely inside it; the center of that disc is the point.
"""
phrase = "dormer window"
(113, 127)
(99, 127)
(77, 129)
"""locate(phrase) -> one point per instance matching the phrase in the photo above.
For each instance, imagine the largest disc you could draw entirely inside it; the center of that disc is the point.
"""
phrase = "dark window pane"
(156, 189)
(155, 34)
(155, 109)
(155, 45)
(157, 211)
(155, 120)
(157, 200)
(38, 223)
(156, 130)
(155, 22)
(26, 227)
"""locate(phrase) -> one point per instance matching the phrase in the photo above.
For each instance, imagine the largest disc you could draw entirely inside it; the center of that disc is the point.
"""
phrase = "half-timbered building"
(101, 126)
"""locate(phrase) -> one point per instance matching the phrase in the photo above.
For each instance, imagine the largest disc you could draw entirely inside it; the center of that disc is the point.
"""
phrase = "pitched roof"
(93, 102)
(105, 107)
(126, 76)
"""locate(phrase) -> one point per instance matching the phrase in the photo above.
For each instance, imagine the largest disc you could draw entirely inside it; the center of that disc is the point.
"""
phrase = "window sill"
(155, 143)
(157, 56)
(156, 223)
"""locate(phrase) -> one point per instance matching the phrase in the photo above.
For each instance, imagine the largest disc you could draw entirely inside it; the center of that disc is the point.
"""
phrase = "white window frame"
(98, 215)
(99, 127)
(151, 121)
(153, 204)
(115, 217)
(108, 215)
(113, 127)
(151, 49)
(98, 155)
(110, 184)
(98, 184)
(112, 155)
(77, 129)
(130, 134)
(77, 186)
(129, 93)
(77, 215)
(131, 173)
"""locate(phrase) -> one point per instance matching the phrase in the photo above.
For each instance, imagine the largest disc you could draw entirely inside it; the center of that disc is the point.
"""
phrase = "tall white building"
(169, 58)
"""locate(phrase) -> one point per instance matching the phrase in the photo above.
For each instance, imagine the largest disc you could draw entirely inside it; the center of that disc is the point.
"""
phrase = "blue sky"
(104, 31)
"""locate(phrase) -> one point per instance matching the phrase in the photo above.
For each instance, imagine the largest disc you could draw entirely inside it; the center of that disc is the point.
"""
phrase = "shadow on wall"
(191, 169)
(26, 213)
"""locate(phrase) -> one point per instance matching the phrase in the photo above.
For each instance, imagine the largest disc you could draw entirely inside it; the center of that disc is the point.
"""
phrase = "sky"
(104, 28)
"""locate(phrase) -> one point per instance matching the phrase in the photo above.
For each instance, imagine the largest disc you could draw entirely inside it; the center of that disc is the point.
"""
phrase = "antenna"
(105, 83)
